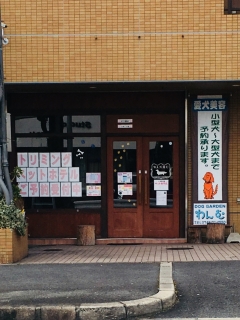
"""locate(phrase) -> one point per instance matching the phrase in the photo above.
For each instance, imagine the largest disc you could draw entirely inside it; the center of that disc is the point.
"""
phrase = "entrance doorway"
(143, 187)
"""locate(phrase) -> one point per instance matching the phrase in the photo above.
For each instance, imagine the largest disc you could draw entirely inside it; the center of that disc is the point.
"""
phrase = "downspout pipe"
(3, 188)
(5, 184)
(5, 191)
(186, 163)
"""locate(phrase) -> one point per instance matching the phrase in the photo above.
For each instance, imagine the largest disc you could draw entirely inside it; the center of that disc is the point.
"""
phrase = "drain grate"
(185, 248)
(125, 244)
(53, 250)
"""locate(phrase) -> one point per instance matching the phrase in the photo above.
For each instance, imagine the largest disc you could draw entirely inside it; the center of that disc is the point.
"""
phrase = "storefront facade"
(118, 155)
(102, 126)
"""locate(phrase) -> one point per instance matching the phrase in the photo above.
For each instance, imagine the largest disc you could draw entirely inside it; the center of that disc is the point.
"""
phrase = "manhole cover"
(53, 250)
(185, 248)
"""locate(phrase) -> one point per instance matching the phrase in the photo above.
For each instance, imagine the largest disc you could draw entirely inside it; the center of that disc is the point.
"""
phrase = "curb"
(163, 300)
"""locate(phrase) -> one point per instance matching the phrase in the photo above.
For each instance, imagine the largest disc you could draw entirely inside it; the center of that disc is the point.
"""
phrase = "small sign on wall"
(125, 123)
(204, 213)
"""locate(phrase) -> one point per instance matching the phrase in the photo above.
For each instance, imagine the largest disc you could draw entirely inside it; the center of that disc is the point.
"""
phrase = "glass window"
(32, 142)
(231, 6)
(66, 168)
(57, 124)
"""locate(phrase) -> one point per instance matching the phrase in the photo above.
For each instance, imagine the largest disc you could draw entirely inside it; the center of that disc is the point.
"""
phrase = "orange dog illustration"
(208, 189)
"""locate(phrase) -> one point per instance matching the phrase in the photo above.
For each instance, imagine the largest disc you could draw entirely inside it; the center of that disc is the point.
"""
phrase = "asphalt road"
(77, 283)
(205, 289)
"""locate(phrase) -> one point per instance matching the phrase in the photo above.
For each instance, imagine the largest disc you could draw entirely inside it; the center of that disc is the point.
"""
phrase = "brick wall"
(13, 247)
(233, 162)
(6, 250)
(106, 40)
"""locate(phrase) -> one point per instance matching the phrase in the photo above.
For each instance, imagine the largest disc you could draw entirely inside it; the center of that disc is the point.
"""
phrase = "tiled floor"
(132, 253)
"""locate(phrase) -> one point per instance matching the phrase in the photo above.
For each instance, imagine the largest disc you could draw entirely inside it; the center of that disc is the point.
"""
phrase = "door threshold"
(141, 241)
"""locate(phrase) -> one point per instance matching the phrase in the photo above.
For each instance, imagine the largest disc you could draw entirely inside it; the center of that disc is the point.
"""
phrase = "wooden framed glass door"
(161, 187)
(143, 187)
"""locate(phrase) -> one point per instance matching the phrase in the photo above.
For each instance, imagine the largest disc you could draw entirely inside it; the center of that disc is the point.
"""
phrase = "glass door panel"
(161, 174)
(124, 174)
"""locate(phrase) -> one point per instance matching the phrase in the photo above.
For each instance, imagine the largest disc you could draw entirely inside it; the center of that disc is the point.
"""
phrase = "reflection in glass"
(58, 124)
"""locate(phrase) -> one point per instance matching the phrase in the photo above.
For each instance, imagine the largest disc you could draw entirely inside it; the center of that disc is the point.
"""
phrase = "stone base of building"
(105, 241)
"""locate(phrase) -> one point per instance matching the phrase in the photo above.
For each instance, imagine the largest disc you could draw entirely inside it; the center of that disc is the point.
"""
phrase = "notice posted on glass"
(161, 198)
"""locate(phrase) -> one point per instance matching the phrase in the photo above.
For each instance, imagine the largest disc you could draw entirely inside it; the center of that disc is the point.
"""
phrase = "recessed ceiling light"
(236, 85)
(92, 87)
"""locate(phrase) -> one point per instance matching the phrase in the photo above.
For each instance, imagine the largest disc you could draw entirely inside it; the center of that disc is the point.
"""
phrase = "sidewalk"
(133, 253)
(54, 258)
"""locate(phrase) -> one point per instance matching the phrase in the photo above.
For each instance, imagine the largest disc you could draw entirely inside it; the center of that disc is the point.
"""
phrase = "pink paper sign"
(31, 174)
(66, 189)
(55, 189)
(63, 174)
(33, 189)
(76, 189)
(55, 159)
(23, 176)
(22, 159)
(53, 174)
(74, 174)
(42, 174)
(44, 189)
(33, 160)
(66, 159)
(24, 189)
(44, 160)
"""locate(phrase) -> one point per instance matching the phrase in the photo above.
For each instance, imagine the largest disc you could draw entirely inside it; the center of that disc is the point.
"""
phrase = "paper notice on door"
(125, 189)
(161, 198)
(93, 191)
(160, 184)
(93, 177)
(124, 177)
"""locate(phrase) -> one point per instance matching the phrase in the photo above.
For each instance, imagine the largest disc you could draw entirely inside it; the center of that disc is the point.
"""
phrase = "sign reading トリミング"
(204, 213)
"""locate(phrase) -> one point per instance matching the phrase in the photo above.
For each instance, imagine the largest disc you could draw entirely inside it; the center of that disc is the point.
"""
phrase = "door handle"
(140, 187)
(146, 188)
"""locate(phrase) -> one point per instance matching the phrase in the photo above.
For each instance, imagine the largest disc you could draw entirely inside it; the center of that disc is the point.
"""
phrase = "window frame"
(229, 7)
